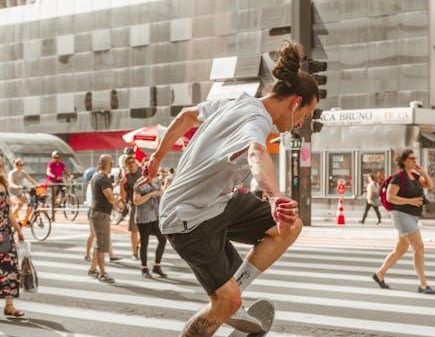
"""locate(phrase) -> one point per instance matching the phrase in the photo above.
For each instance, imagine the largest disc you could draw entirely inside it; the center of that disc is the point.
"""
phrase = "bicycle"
(40, 222)
(66, 200)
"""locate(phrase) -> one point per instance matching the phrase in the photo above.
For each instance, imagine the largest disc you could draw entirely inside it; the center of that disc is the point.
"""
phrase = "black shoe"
(115, 258)
(158, 270)
(361, 222)
(428, 290)
(146, 273)
(380, 283)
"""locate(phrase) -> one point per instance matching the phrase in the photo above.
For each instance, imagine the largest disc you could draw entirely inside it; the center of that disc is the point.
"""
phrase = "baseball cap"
(55, 154)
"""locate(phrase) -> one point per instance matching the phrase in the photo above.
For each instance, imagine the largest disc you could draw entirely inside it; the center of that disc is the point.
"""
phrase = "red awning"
(97, 141)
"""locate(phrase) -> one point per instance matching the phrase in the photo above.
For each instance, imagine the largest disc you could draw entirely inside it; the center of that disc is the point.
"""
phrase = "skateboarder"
(199, 214)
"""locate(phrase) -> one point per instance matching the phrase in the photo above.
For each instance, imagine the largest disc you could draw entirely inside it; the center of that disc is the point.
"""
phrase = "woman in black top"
(405, 194)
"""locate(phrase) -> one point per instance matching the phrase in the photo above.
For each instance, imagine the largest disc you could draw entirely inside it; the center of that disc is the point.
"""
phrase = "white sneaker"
(244, 322)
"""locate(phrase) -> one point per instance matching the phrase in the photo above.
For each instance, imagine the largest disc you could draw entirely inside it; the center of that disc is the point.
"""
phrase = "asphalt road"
(321, 287)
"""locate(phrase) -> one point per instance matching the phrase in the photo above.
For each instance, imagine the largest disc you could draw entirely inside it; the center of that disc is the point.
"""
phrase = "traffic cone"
(340, 213)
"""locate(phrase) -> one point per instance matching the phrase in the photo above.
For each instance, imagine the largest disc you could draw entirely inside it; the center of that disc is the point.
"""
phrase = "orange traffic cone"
(340, 213)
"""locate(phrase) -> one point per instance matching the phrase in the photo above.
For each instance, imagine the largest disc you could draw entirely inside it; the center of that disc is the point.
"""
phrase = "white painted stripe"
(193, 306)
(149, 284)
(122, 319)
(301, 265)
(270, 271)
(362, 324)
(122, 298)
(15, 330)
(287, 316)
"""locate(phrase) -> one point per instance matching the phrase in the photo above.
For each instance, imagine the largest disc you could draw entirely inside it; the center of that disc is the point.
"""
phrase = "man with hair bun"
(200, 215)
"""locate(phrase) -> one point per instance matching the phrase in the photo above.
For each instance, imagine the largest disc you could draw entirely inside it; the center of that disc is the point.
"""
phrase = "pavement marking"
(115, 318)
(362, 324)
(15, 330)
(287, 264)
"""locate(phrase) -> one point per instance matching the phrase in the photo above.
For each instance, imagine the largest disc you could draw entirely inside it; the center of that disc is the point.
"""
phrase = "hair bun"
(289, 60)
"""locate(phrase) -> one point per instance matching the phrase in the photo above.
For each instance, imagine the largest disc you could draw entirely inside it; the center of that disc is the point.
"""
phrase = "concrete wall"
(54, 52)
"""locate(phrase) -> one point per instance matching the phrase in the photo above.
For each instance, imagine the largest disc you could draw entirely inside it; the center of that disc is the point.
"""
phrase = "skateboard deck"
(264, 311)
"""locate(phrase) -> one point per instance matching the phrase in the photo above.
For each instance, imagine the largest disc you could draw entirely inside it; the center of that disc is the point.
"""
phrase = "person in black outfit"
(133, 173)
(405, 194)
(146, 199)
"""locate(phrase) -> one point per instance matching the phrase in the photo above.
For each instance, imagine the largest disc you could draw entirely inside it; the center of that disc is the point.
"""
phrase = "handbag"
(5, 243)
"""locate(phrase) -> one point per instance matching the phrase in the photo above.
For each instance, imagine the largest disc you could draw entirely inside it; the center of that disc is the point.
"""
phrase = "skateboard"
(264, 311)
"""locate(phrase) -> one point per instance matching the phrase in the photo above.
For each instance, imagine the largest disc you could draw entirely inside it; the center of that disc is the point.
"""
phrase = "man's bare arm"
(185, 120)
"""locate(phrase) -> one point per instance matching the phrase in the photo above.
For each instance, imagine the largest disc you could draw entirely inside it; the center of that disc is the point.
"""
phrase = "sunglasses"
(20, 164)
(412, 158)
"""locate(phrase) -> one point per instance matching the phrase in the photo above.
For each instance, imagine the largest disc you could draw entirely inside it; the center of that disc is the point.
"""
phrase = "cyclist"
(56, 170)
(16, 179)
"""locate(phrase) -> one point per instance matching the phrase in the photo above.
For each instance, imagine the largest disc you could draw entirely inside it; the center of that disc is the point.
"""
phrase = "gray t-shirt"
(213, 162)
(148, 211)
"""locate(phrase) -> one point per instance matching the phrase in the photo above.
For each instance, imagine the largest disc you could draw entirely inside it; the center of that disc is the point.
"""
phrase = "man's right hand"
(284, 212)
(152, 166)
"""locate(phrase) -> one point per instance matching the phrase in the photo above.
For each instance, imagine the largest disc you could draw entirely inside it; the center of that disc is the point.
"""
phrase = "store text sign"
(368, 116)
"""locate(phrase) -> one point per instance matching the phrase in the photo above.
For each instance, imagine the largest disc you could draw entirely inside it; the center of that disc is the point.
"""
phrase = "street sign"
(341, 187)
(296, 144)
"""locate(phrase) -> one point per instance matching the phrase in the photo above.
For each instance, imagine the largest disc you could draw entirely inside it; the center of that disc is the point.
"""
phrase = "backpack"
(384, 188)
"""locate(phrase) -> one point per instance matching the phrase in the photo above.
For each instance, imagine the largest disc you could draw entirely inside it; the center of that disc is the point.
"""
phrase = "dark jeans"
(376, 208)
(145, 230)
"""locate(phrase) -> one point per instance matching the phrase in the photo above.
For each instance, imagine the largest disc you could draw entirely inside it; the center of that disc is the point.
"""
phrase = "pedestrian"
(406, 196)
(372, 198)
(133, 173)
(168, 179)
(103, 201)
(16, 179)
(9, 273)
(199, 214)
(56, 170)
(87, 176)
(146, 198)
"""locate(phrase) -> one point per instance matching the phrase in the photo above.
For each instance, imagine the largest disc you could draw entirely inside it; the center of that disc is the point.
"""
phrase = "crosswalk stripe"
(298, 248)
(322, 301)
(362, 324)
(270, 271)
(8, 330)
(301, 265)
(121, 319)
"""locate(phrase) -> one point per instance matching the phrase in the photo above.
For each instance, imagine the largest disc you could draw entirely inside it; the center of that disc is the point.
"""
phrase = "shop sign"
(368, 116)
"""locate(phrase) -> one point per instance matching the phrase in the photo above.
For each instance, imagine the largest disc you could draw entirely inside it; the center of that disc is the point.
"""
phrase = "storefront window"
(340, 167)
(316, 169)
(372, 163)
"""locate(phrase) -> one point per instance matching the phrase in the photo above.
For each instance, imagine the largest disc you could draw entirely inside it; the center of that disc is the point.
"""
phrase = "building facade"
(98, 68)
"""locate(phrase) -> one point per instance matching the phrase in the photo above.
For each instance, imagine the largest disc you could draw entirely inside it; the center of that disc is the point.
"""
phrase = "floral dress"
(9, 274)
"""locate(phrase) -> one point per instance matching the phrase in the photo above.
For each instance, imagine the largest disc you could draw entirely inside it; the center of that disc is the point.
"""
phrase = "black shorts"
(208, 250)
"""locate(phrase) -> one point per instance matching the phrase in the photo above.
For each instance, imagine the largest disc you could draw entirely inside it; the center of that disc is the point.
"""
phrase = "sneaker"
(135, 257)
(146, 273)
(244, 322)
(93, 273)
(158, 270)
(428, 290)
(379, 223)
(105, 278)
(115, 258)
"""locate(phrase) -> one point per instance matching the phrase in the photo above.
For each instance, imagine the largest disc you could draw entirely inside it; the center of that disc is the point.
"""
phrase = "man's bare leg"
(273, 246)
(224, 303)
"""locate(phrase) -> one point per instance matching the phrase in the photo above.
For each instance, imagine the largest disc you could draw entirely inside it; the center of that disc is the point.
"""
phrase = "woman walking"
(146, 198)
(9, 274)
(405, 194)
(372, 198)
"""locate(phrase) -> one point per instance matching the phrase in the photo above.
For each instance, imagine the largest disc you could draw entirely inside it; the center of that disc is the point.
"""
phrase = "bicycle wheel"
(70, 205)
(41, 225)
